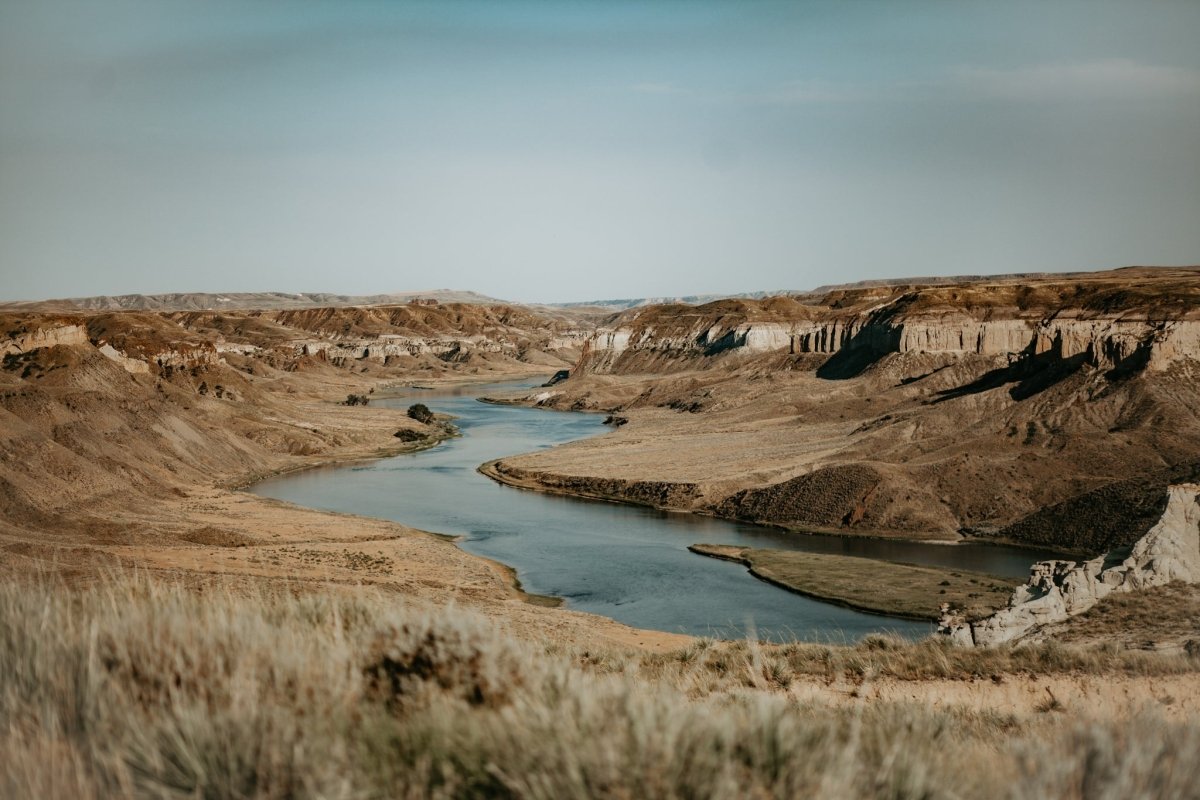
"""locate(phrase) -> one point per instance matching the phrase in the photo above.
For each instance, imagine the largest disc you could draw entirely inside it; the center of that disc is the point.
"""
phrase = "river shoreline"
(531, 481)
(388, 451)
(444, 430)
(702, 550)
(612, 563)
(196, 527)
(385, 391)
(882, 599)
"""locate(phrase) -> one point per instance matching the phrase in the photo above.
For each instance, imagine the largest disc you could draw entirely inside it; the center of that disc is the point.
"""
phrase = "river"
(625, 562)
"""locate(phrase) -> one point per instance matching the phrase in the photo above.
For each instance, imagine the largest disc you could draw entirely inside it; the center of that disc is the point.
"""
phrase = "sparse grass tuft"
(466, 660)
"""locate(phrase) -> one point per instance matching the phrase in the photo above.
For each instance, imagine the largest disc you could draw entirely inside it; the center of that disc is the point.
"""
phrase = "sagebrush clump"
(421, 413)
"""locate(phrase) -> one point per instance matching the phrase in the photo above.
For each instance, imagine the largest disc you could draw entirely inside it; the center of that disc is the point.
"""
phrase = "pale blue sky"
(546, 151)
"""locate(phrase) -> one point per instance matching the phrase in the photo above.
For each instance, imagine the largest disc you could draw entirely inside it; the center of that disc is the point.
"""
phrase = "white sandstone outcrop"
(46, 337)
(1175, 341)
(1058, 590)
(181, 355)
(614, 340)
(238, 348)
(1104, 341)
(338, 351)
(965, 335)
(128, 364)
(762, 337)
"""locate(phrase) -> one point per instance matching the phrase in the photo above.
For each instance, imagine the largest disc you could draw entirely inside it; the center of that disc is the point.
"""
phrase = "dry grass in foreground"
(141, 688)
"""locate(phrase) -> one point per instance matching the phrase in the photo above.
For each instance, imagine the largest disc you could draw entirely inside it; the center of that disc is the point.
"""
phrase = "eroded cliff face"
(401, 335)
(1094, 324)
(1058, 590)
(50, 334)
(135, 352)
(168, 345)
(407, 337)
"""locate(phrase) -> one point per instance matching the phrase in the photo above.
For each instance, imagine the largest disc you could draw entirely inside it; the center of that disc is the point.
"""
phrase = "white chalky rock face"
(616, 340)
(1058, 590)
(960, 334)
(1175, 341)
(128, 364)
(1104, 342)
(383, 347)
(138, 362)
(236, 347)
(763, 337)
(47, 337)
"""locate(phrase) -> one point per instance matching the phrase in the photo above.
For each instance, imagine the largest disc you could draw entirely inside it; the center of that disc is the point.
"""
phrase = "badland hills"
(1051, 410)
(164, 634)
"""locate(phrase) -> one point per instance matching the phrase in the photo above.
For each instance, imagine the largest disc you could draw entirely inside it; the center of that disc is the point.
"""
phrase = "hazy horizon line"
(613, 298)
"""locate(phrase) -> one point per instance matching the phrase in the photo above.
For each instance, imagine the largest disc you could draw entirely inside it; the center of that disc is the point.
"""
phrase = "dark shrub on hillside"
(828, 497)
(420, 412)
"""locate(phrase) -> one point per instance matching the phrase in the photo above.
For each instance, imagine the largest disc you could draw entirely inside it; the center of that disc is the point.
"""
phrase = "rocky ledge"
(1122, 320)
(1058, 590)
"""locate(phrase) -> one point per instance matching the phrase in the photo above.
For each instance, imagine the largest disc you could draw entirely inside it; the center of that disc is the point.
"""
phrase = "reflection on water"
(625, 562)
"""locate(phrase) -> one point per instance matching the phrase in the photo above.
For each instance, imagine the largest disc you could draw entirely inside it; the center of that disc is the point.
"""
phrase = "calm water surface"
(624, 562)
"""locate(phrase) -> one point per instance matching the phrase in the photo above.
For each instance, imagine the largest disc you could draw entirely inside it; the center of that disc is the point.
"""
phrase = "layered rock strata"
(1088, 321)
(1058, 590)
(48, 336)
(145, 343)
(391, 346)
(1106, 344)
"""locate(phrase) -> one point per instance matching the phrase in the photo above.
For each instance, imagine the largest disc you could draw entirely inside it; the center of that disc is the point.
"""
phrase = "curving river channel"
(625, 562)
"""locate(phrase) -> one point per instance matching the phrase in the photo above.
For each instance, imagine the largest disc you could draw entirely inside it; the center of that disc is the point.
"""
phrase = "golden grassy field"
(137, 687)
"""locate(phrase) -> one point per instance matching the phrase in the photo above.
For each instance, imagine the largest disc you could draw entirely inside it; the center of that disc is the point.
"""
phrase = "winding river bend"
(624, 562)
